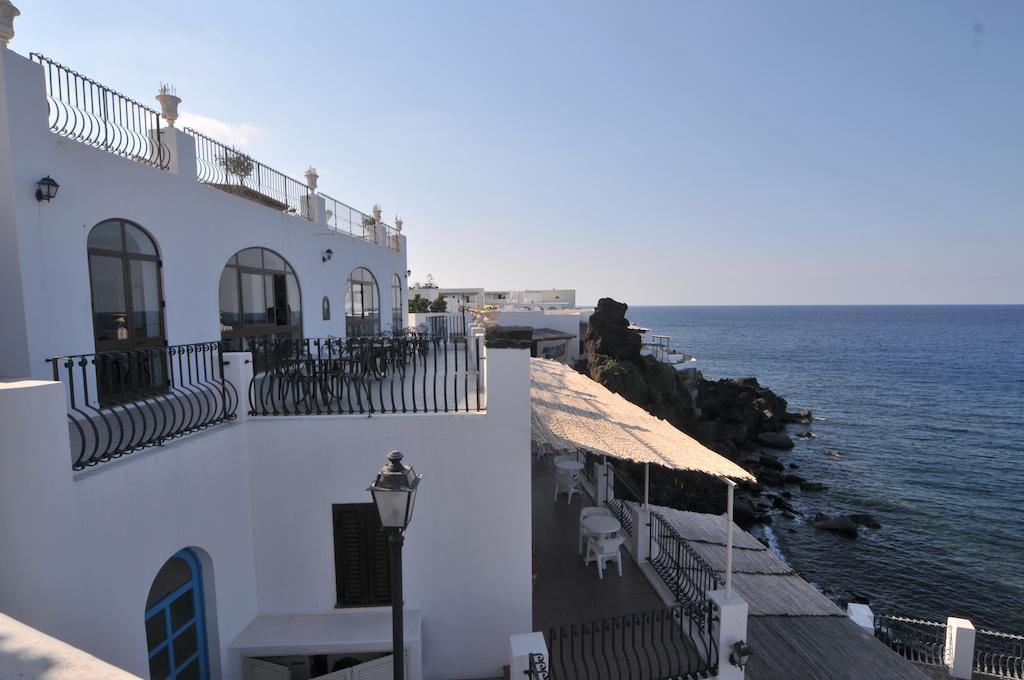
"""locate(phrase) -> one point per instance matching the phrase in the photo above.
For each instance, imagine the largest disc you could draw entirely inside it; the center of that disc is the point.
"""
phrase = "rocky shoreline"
(738, 418)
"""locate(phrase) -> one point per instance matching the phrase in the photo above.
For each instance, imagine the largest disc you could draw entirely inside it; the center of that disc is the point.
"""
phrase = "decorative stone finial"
(311, 178)
(398, 223)
(7, 14)
(376, 212)
(169, 101)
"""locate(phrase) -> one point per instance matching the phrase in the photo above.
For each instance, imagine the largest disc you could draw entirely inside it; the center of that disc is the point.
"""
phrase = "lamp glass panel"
(391, 506)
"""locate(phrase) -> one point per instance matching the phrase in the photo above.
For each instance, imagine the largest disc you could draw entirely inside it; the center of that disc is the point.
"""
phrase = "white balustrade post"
(960, 636)
(730, 628)
(862, 615)
(8, 12)
(238, 372)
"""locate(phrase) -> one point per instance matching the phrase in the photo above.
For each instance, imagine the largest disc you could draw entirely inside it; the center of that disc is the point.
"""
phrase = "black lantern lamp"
(47, 189)
(740, 653)
(394, 494)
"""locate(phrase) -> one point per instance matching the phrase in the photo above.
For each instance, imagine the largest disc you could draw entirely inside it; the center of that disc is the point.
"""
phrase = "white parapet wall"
(26, 653)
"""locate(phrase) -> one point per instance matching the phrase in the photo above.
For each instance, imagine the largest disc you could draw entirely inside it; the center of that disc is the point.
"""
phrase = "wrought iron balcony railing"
(676, 643)
(88, 112)
(683, 570)
(407, 373)
(124, 401)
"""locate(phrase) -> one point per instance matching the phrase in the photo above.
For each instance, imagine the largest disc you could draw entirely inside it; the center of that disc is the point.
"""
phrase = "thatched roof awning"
(572, 412)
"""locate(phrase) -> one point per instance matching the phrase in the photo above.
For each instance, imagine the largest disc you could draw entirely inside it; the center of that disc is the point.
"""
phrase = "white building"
(474, 298)
(141, 499)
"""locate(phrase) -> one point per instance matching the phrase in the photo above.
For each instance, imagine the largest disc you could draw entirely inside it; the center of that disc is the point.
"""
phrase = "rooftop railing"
(409, 373)
(124, 401)
(688, 576)
(348, 220)
(621, 498)
(676, 643)
(89, 112)
(922, 642)
(235, 172)
(537, 667)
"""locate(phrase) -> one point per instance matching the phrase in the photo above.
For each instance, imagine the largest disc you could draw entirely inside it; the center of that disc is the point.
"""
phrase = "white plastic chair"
(567, 483)
(562, 458)
(604, 550)
(589, 512)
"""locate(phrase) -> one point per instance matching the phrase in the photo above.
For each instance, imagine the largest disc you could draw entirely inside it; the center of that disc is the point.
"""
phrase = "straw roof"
(572, 412)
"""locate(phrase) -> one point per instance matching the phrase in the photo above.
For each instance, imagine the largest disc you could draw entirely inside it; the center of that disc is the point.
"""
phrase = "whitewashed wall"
(254, 499)
(196, 227)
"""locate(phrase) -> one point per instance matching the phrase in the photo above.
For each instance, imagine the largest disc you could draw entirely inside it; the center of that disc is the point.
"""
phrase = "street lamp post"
(394, 494)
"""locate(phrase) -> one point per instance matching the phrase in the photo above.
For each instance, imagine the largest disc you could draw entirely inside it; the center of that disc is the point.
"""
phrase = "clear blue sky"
(659, 153)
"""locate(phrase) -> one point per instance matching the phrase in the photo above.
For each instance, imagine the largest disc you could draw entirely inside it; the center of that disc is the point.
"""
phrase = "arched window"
(259, 296)
(397, 317)
(362, 304)
(176, 621)
(127, 311)
(127, 299)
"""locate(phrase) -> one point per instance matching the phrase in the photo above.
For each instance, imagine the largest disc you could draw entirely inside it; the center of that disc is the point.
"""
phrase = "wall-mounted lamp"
(47, 189)
(408, 273)
(328, 254)
(740, 653)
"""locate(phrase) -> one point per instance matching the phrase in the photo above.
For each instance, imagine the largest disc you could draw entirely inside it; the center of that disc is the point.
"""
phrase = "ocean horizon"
(919, 419)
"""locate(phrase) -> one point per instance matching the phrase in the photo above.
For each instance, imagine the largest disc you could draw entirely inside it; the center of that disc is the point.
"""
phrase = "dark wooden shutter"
(361, 557)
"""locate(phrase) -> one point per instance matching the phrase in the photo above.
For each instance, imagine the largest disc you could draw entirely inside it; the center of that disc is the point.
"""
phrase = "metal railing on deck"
(123, 401)
(999, 654)
(537, 668)
(621, 498)
(674, 643)
(688, 576)
(382, 374)
(450, 326)
(348, 220)
(919, 641)
(237, 173)
(391, 237)
(89, 112)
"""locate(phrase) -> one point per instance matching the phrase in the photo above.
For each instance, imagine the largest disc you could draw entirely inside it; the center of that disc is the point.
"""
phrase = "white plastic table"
(602, 525)
(569, 465)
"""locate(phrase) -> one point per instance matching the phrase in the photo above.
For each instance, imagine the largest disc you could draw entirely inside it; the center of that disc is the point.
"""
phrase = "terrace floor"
(567, 591)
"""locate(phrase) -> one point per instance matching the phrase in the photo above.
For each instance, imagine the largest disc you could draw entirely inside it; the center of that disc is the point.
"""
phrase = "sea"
(918, 420)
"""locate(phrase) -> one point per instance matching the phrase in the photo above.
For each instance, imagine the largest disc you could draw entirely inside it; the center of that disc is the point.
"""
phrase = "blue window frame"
(176, 622)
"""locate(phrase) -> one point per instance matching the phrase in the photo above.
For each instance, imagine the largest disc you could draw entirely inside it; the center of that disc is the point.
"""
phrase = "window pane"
(137, 241)
(253, 302)
(251, 257)
(294, 302)
(269, 298)
(108, 302)
(159, 666)
(190, 672)
(229, 317)
(106, 235)
(182, 610)
(272, 260)
(185, 645)
(145, 276)
(156, 629)
(281, 299)
(174, 574)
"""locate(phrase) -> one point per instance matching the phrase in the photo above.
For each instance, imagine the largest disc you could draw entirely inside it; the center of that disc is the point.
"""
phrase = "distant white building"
(474, 298)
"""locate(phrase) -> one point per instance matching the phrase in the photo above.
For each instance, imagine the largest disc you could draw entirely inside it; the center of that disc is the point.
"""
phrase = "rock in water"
(776, 440)
(798, 416)
(842, 525)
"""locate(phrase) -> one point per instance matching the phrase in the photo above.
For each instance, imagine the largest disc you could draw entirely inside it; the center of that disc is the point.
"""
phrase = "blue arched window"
(176, 622)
